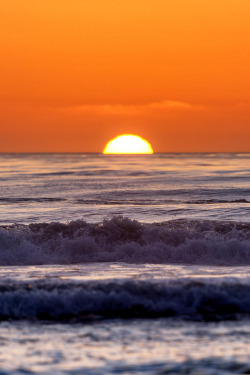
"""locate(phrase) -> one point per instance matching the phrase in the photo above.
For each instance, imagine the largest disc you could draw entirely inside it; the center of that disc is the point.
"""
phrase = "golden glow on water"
(128, 144)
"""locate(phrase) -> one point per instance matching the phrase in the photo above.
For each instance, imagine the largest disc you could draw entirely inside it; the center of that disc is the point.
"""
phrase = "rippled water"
(65, 187)
(125, 264)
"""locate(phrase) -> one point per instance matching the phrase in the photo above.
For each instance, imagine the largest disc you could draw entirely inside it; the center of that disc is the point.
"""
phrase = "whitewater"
(124, 264)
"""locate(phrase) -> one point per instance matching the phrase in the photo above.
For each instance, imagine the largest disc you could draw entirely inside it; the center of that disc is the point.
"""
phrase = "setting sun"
(128, 144)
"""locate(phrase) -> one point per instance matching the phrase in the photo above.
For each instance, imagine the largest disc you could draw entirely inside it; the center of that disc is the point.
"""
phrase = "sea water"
(124, 264)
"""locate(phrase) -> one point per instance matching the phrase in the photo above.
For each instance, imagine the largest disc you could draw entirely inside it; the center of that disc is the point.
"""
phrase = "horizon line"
(101, 153)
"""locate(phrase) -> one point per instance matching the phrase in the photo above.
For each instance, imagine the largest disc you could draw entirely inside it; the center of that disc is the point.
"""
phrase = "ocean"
(124, 264)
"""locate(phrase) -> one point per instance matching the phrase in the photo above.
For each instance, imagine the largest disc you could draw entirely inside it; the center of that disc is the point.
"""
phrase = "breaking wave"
(204, 300)
(123, 240)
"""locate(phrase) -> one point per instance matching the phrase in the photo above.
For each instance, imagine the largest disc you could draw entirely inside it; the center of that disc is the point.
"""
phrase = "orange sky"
(76, 73)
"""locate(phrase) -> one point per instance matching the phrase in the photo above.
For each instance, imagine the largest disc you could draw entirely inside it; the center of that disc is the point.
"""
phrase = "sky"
(76, 73)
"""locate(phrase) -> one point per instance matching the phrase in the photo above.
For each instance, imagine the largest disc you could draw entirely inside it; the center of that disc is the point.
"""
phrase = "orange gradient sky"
(76, 73)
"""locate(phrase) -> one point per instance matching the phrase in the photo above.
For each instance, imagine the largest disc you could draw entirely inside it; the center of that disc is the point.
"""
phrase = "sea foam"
(201, 300)
(123, 240)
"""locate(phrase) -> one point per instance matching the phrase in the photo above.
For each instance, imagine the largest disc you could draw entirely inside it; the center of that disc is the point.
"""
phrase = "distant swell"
(124, 240)
(216, 201)
(30, 200)
(184, 299)
(111, 201)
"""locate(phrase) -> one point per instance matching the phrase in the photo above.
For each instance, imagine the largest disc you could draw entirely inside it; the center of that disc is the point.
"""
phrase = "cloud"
(174, 104)
(243, 105)
(134, 110)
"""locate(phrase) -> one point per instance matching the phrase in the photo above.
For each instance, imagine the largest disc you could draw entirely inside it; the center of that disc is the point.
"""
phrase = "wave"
(156, 202)
(123, 240)
(30, 200)
(216, 201)
(183, 299)
(121, 201)
(212, 365)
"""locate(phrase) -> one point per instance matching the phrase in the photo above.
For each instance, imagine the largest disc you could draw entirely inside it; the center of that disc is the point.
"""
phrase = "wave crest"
(63, 301)
(124, 240)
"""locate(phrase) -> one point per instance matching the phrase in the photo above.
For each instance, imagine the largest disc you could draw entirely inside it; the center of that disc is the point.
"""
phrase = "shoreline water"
(124, 265)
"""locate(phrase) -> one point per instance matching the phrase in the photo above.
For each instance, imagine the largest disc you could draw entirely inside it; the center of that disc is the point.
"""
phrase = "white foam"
(124, 240)
(185, 299)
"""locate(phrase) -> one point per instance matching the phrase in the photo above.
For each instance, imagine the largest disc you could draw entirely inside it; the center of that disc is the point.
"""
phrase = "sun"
(128, 144)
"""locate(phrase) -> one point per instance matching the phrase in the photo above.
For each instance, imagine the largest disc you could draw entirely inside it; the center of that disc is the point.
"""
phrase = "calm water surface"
(65, 187)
